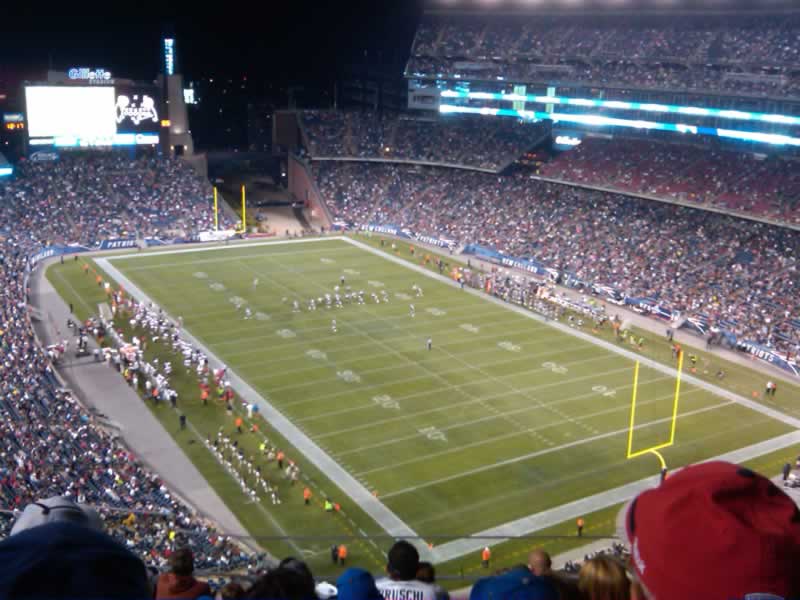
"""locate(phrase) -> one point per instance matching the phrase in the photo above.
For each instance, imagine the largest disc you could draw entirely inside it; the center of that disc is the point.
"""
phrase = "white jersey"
(405, 590)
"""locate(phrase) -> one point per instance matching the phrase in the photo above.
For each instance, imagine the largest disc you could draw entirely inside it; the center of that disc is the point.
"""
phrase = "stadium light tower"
(177, 137)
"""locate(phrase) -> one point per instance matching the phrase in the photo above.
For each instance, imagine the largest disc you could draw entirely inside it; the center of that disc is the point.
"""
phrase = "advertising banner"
(768, 356)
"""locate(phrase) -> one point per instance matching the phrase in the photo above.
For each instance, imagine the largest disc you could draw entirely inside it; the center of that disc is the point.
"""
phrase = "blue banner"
(56, 250)
(695, 325)
(767, 355)
(119, 244)
(508, 261)
(409, 234)
(649, 306)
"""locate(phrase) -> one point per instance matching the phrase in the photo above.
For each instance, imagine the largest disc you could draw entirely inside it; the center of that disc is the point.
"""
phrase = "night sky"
(288, 41)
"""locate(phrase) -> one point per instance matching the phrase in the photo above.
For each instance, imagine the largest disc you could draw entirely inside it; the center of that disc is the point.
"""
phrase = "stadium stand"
(51, 444)
(466, 142)
(734, 273)
(745, 54)
(760, 186)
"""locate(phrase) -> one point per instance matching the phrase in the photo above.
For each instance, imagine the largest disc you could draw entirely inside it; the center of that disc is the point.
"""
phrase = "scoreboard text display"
(78, 116)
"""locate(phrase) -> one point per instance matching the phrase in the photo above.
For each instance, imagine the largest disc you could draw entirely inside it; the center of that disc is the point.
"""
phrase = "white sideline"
(390, 522)
(385, 517)
(777, 415)
(572, 510)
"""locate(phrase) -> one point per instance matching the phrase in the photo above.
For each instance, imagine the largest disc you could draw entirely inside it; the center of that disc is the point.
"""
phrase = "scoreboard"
(90, 116)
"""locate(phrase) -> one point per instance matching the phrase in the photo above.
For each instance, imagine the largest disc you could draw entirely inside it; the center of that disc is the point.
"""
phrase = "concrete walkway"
(103, 389)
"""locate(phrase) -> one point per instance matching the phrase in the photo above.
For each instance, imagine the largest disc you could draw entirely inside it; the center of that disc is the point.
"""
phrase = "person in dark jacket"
(180, 582)
(57, 549)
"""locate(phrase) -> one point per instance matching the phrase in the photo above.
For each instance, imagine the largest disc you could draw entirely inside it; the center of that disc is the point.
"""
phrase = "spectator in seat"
(517, 583)
(539, 562)
(426, 573)
(230, 591)
(57, 549)
(180, 581)
(356, 584)
(402, 581)
(283, 583)
(603, 578)
(715, 531)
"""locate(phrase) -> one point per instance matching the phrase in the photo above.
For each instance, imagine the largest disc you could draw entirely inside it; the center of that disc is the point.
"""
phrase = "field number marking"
(511, 347)
(434, 434)
(385, 401)
(348, 376)
(555, 368)
(601, 389)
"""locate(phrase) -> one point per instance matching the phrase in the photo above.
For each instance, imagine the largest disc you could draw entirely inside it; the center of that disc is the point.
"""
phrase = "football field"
(505, 416)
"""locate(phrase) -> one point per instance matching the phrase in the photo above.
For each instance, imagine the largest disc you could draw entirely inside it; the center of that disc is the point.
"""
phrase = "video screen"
(92, 115)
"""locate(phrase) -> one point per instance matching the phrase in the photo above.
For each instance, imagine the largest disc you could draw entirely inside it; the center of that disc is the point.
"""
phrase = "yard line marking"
(379, 512)
(489, 440)
(411, 363)
(588, 504)
(370, 405)
(445, 388)
(716, 390)
(528, 456)
(227, 340)
(457, 549)
(393, 367)
(457, 404)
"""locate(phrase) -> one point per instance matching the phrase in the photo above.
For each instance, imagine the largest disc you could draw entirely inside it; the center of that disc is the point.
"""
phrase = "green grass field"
(505, 416)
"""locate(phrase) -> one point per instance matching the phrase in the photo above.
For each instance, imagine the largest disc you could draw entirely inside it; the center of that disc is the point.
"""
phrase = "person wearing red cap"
(715, 531)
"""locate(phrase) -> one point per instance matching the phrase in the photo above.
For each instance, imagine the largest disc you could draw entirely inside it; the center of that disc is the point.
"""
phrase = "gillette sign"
(136, 108)
(90, 75)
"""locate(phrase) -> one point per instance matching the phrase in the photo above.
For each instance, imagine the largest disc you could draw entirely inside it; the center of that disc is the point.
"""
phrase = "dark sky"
(287, 40)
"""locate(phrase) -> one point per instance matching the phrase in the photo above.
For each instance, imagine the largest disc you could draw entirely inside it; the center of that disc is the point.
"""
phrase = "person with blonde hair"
(603, 578)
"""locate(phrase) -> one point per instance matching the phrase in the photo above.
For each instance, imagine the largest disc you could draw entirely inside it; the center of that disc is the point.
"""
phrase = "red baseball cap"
(715, 531)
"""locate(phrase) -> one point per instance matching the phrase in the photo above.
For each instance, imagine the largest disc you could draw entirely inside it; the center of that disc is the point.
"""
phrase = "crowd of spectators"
(737, 274)
(467, 141)
(59, 549)
(86, 198)
(51, 445)
(761, 186)
(756, 55)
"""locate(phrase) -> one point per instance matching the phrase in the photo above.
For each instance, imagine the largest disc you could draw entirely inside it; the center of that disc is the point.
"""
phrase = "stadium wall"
(403, 161)
(304, 189)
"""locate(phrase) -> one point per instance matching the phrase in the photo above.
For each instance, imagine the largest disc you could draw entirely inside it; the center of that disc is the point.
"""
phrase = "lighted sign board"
(87, 116)
(90, 75)
(169, 56)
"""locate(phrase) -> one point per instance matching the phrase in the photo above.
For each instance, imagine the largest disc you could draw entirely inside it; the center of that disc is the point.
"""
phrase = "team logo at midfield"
(136, 108)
